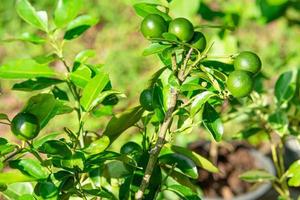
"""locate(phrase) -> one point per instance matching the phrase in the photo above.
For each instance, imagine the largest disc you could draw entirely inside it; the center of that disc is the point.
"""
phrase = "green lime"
(247, 61)
(25, 126)
(239, 83)
(153, 26)
(182, 28)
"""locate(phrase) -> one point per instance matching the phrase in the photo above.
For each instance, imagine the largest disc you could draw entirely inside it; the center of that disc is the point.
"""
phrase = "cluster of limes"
(154, 25)
(246, 64)
(240, 81)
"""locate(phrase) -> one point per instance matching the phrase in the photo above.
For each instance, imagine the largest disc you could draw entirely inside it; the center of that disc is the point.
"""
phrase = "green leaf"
(92, 90)
(284, 91)
(155, 48)
(18, 189)
(279, 121)
(4, 116)
(55, 148)
(170, 36)
(247, 133)
(104, 193)
(81, 76)
(14, 176)
(45, 58)
(6, 149)
(36, 84)
(181, 179)
(199, 160)
(100, 158)
(27, 37)
(293, 173)
(3, 140)
(184, 192)
(38, 142)
(156, 76)
(103, 111)
(25, 68)
(97, 146)
(199, 101)
(60, 94)
(182, 9)
(46, 189)
(78, 26)
(144, 9)
(30, 167)
(119, 123)
(45, 107)
(31, 16)
(27, 197)
(212, 122)
(173, 81)
(257, 176)
(82, 56)
(116, 169)
(65, 11)
(184, 164)
(103, 95)
(74, 163)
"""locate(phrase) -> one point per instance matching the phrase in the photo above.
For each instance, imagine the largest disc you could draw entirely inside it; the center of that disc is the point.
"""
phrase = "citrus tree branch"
(159, 144)
(154, 153)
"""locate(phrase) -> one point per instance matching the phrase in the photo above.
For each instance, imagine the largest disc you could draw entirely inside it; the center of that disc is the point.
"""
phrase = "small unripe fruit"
(239, 83)
(153, 26)
(146, 100)
(198, 41)
(247, 61)
(25, 126)
(182, 28)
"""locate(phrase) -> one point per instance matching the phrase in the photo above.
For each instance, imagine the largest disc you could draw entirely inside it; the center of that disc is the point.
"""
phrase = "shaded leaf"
(283, 89)
(45, 107)
(97, 146)
(39, 141)
(212, 122)
(199, 160)
(119, 123)
(59, 94)
(79, 26)
(36, 84)
(184, 164)
(55, 148)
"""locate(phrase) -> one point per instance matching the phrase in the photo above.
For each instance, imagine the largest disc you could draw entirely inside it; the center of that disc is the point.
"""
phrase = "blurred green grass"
(119, 44)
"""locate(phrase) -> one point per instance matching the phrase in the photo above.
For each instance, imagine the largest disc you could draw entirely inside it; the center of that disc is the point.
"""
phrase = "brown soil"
(232, 160)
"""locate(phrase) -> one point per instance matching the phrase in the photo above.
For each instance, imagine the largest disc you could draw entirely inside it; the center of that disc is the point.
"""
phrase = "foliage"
(192, 88)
